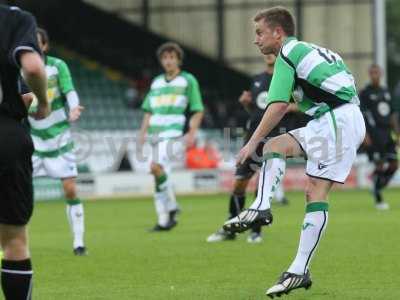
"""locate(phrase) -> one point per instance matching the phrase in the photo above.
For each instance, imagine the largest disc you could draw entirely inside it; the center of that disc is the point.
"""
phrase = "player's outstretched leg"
(259, 213)
(75, 216)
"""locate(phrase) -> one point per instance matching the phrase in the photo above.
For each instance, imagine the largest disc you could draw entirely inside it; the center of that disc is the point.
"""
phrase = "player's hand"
(75, 113)
(43, 110)
(245, 98)
(245, 153)
(190, 139)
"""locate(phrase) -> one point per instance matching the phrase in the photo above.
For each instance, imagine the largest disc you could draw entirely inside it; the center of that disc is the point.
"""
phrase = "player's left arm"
(196, 107)
(68, 89)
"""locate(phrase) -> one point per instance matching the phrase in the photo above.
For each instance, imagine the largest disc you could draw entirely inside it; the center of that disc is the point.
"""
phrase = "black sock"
(16, 279)
(386, 176)
(236, 205)
(378, 176)
(256, 229)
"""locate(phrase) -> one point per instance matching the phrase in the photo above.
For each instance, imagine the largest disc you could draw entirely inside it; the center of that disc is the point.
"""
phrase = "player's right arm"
(279, 96)
(35, 76)
(24, 52)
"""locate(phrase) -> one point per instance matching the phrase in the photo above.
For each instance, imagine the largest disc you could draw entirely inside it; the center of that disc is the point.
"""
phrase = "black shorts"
(383, 146)
(251, 165)
(16, 190)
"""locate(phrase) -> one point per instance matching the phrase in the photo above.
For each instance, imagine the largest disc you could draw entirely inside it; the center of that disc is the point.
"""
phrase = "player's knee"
(279, 145)
(70, 193)
(273, 145)
(156, 169)
(311, 191)
(239, 187)
(393, 166)
(317, 189)
(70, 190)
(239, 191)
(15, 248)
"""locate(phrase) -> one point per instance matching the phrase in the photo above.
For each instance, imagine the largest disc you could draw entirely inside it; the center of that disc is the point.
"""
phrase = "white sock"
(75, 216)
(161, 204)
(271, 175)
(172, 204)
(314, 225)
(279, 193)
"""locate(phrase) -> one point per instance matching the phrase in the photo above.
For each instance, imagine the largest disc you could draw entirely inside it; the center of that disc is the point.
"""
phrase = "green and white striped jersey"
(167, 102)
(51, 136)
(316, 77)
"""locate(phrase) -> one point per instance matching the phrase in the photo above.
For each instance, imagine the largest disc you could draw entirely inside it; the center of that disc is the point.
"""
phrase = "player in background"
(19, 53)
(254, 102)
(53, 155)
(381, 120)
(323, 88)
(171, 95)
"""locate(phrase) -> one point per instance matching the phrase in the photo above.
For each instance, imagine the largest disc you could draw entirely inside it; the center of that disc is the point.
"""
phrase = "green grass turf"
(357, 259)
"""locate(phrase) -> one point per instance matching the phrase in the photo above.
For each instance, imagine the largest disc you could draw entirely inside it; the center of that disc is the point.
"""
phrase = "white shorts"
(167, 152)
(331, 142)
(61, 167)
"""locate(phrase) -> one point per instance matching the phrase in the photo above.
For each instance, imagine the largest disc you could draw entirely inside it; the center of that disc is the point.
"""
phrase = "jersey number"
(327, 55)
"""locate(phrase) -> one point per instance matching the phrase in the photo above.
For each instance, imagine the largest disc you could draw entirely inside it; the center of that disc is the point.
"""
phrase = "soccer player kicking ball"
(323, 88)
(170, 96)
(52, 138)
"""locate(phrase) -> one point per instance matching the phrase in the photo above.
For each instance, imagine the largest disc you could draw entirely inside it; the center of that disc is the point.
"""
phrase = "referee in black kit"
(18, 52)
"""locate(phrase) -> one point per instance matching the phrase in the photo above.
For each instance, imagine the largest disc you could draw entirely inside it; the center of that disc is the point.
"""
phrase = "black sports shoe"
(288, 282)
(171, 224)
(80, 251)
(248, 219)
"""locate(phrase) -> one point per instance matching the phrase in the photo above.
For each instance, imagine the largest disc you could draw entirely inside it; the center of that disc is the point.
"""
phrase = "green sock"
(74, 201)
(160, 181)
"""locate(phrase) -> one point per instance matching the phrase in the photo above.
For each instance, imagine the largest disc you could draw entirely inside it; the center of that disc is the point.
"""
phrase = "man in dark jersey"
(381, 120)
(254, 102)
(19, 52)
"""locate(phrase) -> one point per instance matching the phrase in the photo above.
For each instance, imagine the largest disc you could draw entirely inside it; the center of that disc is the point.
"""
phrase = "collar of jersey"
(288, 39)
(168, 81)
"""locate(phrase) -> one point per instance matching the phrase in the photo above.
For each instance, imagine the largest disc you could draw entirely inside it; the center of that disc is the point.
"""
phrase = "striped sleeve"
(282, 83)
(65, 79)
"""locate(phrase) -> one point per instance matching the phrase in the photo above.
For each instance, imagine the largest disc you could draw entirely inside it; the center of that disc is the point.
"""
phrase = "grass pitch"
(357, 259)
